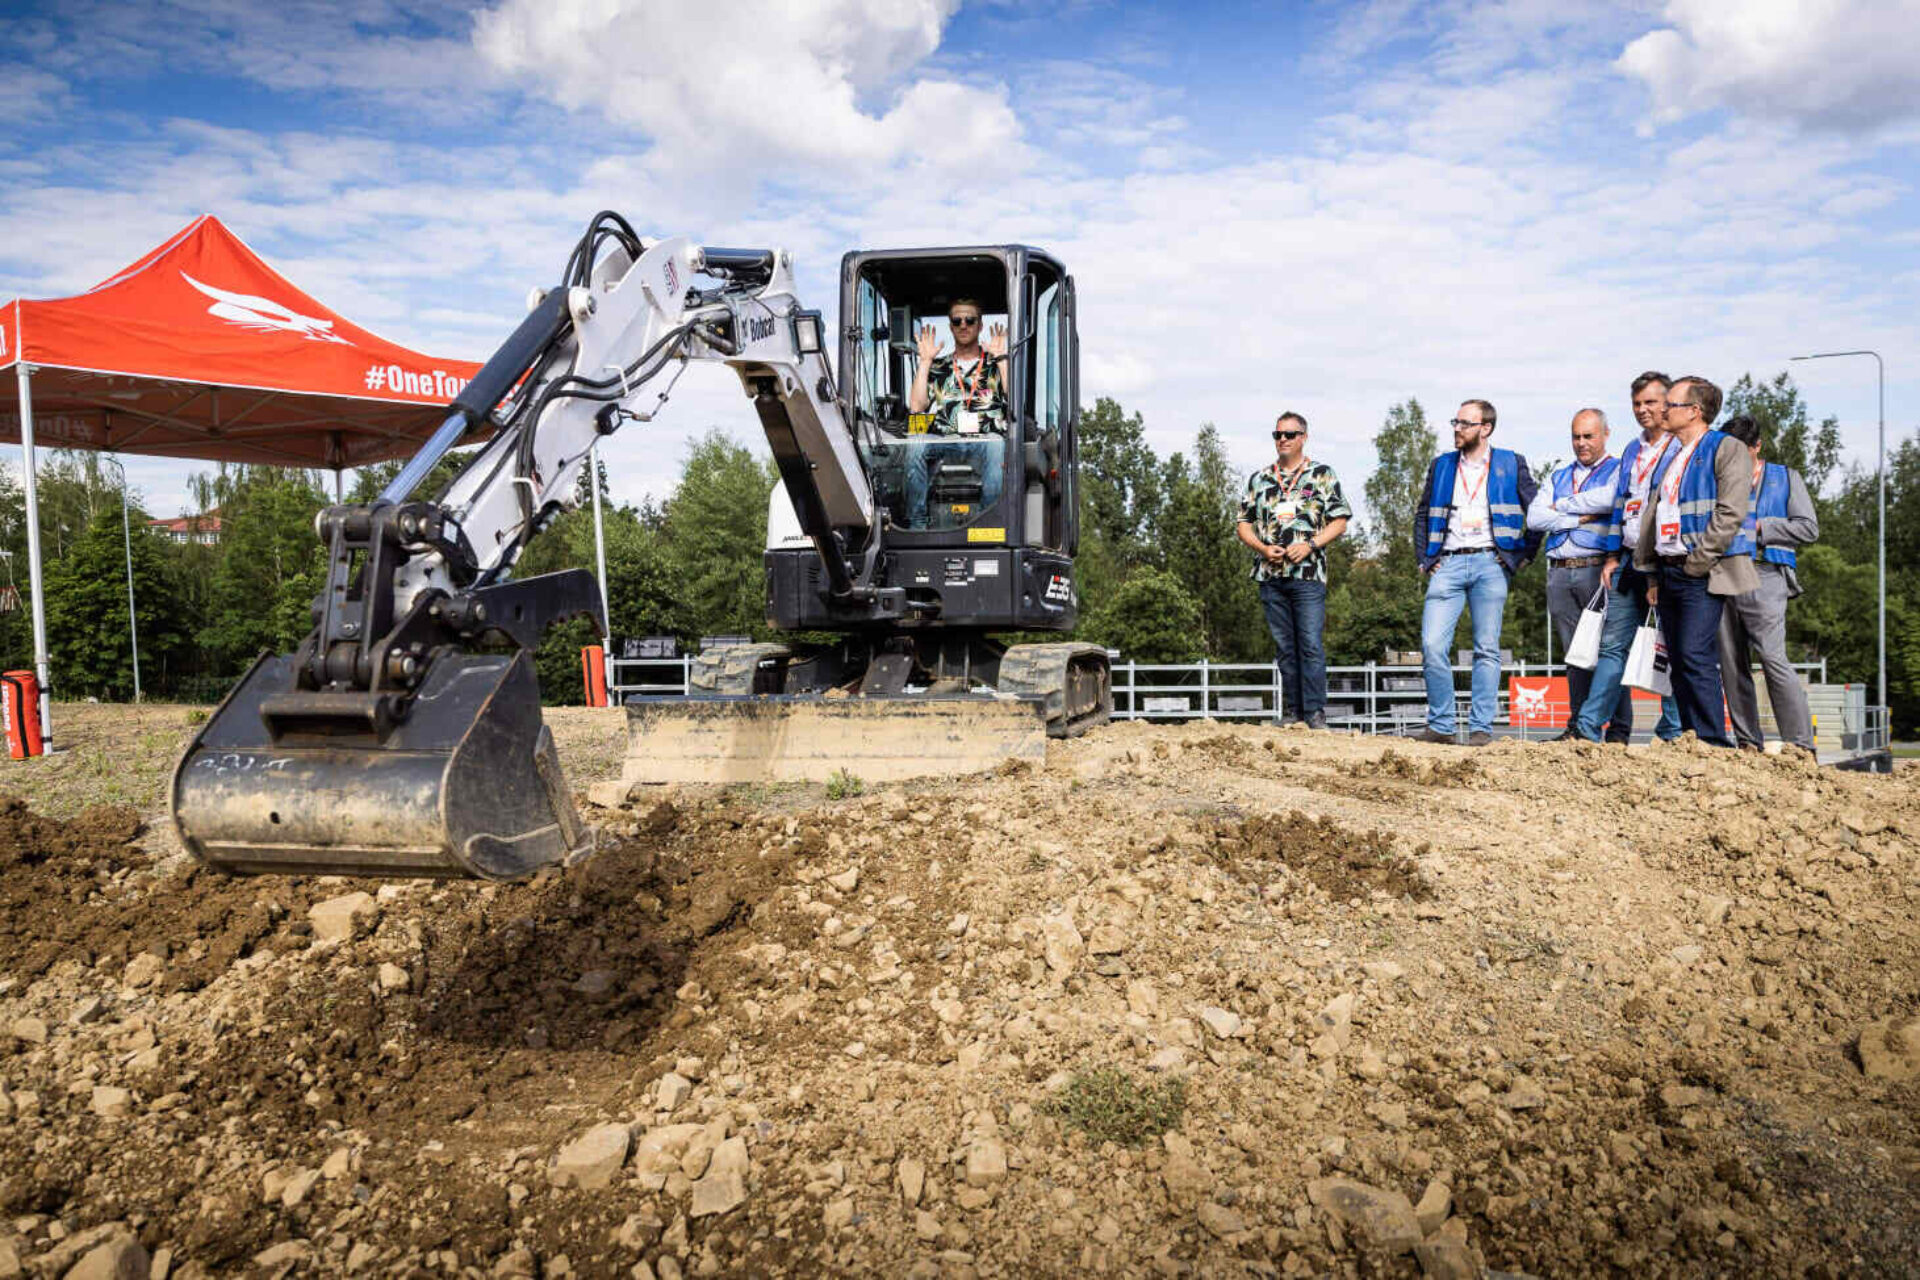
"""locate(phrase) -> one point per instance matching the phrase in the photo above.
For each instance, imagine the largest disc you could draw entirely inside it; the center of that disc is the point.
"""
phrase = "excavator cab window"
(940, 462)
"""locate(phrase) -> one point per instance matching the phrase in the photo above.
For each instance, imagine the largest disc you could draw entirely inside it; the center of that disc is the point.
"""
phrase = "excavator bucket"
(811, 738)
(467, 785)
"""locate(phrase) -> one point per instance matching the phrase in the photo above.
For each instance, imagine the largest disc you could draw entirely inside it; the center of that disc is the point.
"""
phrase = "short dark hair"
(1486, 410)
(1291, 416)
(1650, 377)
(1702, 395)
(966, 302)
(1744, 429)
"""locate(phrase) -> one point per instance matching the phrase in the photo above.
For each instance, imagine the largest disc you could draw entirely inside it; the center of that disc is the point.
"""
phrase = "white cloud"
(777, 87)
(1826, 64)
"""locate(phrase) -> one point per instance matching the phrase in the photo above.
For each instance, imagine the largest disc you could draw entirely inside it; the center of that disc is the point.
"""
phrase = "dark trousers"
(1690, 622)
(1297, 616)
(1568, 591)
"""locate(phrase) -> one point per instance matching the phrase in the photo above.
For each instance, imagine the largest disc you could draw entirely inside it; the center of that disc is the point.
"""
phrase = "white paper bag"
(1647, 660)
(1584, 652)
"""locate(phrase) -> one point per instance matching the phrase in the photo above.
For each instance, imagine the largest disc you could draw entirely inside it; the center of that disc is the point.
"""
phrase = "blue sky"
(1323, 207)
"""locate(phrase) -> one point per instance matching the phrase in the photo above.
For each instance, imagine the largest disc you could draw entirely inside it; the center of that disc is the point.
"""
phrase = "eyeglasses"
(964, 321)
(1680, 404)
(1288, 435)
(1463, 422)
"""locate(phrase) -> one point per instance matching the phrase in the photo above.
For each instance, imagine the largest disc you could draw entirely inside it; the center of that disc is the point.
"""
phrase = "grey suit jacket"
(1733, 492)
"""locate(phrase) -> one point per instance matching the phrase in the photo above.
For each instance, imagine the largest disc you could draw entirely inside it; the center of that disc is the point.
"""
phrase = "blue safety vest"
(1699, 490)
(1623, 488)
(1590, 539)
(1508, 521)
(1770, 503)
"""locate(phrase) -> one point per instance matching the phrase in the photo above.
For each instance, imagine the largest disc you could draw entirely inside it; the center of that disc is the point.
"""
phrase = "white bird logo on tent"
(253, 312)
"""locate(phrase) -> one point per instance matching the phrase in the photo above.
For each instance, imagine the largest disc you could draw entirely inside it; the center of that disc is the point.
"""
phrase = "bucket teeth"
(468, 785)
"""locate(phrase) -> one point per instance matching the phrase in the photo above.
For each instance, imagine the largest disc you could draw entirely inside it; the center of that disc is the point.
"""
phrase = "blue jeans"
(1607, 699)
(988, 456)
(1297, 616)
(1478, 584)
(1690, 621)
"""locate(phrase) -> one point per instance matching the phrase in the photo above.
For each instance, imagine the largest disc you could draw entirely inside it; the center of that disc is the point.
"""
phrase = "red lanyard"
(1640, 472)
(1473, 491)
(1670, 490)
(970, 388)
(1290, 482)
(1580, 484)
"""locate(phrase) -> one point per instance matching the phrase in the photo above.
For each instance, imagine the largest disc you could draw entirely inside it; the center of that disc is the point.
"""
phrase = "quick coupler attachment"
(467, 785)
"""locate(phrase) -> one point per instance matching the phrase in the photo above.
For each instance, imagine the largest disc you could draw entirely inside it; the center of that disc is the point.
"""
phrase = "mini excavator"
(404, 737)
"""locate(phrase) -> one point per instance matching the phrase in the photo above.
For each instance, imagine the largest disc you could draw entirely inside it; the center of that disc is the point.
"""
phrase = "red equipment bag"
(20, 713)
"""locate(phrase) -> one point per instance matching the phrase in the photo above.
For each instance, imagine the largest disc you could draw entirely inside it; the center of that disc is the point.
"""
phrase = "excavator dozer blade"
(772, 738)
(467, 786)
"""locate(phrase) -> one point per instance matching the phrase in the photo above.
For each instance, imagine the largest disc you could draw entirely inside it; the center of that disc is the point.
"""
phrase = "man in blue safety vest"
(1608, 704)
(1574, 512)
(1697, 548)
(1471, 534)
(1781, 518)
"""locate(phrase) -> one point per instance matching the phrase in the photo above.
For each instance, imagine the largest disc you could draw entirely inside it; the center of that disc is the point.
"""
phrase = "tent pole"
(336, 487)
(600, 549)
(33, 556)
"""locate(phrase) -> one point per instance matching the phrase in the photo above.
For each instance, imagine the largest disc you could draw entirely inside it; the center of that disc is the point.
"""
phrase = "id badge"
(1670, 532)
(1633, 506)
(1286, 511)
(1474, 525)
(968, 422)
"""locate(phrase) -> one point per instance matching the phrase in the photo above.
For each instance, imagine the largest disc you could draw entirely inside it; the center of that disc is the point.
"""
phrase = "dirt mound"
(1343, 864)
(1185, 1000)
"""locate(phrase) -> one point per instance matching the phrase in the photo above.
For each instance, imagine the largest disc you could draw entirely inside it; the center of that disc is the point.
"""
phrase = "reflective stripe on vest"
(1770, 503)
(1589, 539)
(1507, 519)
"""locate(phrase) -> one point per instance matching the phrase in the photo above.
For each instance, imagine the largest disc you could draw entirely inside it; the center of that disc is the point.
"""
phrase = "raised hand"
(928, 342)
(996, 342)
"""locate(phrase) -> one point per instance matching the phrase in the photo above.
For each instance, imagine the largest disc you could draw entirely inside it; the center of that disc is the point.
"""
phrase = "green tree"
(1405, 446)
(270, 567)
(716, 537)
(1197, 543)
(1376, 607)
(643, 596)
(88, 644)
(1151, 617)
(1780, 413)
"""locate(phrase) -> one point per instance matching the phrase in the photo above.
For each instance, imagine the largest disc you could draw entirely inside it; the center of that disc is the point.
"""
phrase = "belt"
(1672, 562)
(1468, 551)
(1576, 562)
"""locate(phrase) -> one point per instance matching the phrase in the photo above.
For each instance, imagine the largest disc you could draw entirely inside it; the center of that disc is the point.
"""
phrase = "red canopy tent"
(202, 350)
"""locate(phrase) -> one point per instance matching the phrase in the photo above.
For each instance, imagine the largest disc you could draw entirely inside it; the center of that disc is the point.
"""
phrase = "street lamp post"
(1881, 467)
(126, 535)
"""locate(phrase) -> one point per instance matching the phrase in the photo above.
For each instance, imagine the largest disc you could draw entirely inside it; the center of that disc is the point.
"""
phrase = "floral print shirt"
(1290, 506)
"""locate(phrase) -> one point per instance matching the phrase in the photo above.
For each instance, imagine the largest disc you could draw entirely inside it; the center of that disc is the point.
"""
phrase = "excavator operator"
(966, 395)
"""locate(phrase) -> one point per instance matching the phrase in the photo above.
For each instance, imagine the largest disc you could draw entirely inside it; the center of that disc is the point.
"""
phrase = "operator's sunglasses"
(1288, 435)
(1463, 422)
(972, 322)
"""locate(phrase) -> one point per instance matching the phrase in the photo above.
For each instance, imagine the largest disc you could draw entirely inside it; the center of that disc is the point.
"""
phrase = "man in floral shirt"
(1292, 512)
(965, 393)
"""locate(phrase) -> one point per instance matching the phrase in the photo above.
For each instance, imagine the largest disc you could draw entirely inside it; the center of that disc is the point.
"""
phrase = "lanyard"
(1473, 491)
(1581, 483)
(1290, 482)
(1670, 489)
(1642, 471)
(970, 387)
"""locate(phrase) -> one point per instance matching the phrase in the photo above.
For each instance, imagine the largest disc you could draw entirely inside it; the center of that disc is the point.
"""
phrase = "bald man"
(1574, 512)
